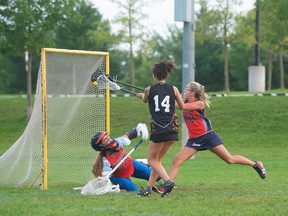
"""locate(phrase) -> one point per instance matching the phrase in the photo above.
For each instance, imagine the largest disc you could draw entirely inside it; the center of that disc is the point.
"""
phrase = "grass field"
(255, 127)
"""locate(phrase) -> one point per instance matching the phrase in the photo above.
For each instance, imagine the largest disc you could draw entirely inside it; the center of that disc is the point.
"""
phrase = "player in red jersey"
(111, 151)
(201, 134)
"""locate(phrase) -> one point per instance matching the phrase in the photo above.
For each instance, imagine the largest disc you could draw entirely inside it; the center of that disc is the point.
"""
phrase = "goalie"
(111, 151)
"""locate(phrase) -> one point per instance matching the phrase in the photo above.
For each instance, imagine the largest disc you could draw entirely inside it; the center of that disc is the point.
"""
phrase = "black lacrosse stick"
(96, 75)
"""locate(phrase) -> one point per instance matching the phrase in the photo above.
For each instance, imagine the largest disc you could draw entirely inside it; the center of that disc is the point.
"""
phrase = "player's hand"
(142, 131)
(140, 96)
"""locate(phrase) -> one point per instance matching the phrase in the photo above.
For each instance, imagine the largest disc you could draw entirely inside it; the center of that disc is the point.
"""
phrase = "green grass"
(255, 127)
(12, 121)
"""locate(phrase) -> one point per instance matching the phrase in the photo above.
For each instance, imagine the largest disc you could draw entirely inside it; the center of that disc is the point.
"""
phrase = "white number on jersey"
(165, 103)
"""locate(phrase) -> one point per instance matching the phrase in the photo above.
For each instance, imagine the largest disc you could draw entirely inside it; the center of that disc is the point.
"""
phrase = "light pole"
(257, 23)
(184, 12)
(256, 71)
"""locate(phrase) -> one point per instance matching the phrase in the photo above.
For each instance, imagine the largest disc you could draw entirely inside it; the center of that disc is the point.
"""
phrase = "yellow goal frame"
(44, 170)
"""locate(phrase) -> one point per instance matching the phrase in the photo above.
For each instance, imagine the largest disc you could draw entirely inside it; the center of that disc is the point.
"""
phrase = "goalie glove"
(142, 131)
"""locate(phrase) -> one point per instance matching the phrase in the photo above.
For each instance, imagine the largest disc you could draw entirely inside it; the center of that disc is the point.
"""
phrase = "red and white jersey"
(126, 169)
(196, 122)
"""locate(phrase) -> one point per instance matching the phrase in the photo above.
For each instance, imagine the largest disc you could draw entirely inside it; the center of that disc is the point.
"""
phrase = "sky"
(159, 14)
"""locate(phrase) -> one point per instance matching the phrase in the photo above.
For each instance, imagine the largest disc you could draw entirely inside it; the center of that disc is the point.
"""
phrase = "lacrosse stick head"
(103, 81)
(99, 186)
(101, 141)
(96, 75)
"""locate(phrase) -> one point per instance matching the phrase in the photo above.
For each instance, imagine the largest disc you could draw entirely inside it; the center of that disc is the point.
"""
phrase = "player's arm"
(176, 105)
(139, 130)
(144, 96)
(196, 105)
(179, 102)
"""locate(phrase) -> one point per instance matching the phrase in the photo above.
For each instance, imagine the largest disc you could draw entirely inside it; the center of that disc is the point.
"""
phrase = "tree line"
(224, 41)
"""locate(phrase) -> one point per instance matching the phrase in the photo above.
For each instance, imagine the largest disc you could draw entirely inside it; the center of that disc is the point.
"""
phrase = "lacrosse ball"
(94, 83)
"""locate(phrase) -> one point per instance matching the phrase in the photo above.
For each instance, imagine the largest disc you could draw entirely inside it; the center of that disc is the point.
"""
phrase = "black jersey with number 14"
(162, 108)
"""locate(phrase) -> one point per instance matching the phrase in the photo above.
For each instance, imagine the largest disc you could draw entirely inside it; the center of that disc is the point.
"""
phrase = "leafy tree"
(160, 47)
(208, 49)
(241, 50)
(90, 32)
(215, 28)
(209, 64)
(87, 31)
(275, 33)
(226, 18)
(130, 16)
(4, 68)
(206, 27)
(28, 26)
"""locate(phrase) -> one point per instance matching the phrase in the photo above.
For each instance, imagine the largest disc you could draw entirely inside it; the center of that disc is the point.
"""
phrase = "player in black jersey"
(164, 124)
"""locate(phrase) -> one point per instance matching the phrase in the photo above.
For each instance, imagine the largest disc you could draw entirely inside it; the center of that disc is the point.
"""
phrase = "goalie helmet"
(101, 142)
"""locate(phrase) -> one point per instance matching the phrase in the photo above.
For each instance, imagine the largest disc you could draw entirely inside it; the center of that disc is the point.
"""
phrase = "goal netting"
(68, 110)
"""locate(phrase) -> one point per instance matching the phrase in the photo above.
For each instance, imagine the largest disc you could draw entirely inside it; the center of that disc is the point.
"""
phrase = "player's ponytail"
(98, 165)
(162, 68)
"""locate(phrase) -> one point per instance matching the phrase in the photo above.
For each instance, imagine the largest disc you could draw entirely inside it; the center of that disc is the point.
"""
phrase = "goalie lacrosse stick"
(103, 81)
(102, 185)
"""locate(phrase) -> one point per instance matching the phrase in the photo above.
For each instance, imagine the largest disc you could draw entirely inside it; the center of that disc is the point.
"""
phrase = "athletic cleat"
(168, 187)
(145, 192)
(260, 169)
(158, 189)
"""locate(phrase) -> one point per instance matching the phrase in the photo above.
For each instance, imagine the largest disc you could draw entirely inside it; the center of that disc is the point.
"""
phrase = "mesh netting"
(75, 111)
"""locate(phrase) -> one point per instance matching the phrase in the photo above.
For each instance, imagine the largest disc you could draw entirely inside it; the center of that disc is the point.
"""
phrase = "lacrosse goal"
(67, 111)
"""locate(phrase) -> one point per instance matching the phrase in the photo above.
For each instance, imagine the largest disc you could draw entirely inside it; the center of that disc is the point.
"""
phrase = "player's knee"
(177, 161)
(151, 162)
(229, 160)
